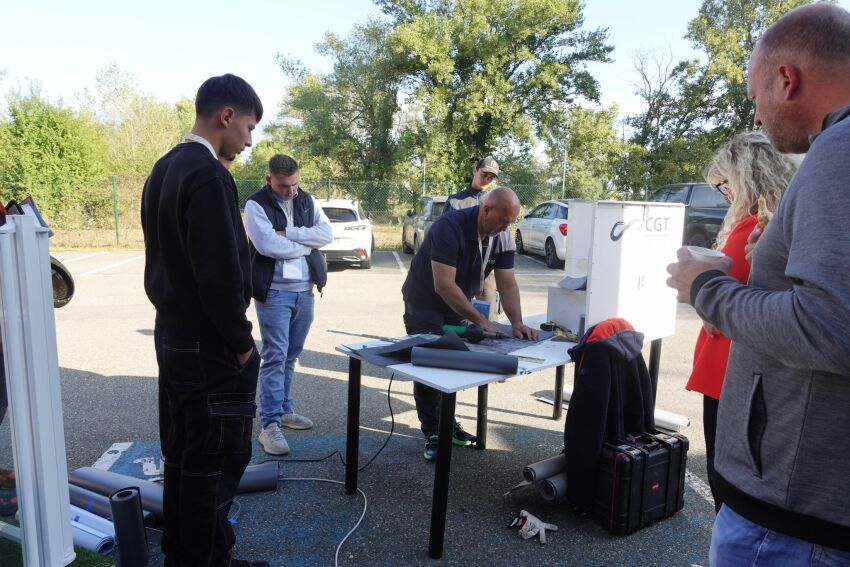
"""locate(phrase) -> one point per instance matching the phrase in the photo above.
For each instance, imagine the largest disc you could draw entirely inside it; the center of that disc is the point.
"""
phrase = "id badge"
(292, 269)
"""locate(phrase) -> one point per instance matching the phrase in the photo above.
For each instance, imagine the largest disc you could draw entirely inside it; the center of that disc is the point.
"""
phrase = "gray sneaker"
(273, 441)
(295, 421)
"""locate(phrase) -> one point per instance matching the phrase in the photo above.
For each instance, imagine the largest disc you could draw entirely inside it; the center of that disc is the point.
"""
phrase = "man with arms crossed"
(286, 227)
(783, 451)
(197, 275)
(461, 249)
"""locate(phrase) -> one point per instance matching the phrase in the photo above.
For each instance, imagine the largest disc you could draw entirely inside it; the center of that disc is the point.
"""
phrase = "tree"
(139, 128)
(342, 124)
(488, 73)
(693, 106)
(56, 155)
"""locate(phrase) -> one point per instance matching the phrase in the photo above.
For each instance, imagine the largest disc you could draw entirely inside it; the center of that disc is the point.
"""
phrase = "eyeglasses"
(721, 189)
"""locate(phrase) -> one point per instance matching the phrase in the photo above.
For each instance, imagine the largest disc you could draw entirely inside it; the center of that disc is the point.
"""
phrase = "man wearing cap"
(485, 174)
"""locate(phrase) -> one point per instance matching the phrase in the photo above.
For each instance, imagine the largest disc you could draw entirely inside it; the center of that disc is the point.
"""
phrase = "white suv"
(353, 241)
(544, 231)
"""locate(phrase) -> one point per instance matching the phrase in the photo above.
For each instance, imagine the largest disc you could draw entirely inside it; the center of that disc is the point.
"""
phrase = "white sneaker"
(273, 441)
(295, 421)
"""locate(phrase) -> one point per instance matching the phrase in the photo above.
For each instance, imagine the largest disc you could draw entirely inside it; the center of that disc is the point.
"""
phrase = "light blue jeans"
(738, 542)
(285, 319)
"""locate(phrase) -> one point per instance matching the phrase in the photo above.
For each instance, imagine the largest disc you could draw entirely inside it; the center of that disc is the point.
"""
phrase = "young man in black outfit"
(198, 277)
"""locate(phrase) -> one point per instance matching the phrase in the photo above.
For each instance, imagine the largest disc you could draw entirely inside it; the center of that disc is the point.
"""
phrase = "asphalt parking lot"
(108, 373)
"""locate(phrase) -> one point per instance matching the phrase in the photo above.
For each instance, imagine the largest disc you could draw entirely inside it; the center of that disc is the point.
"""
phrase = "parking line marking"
(699, 486)
(83, 257)
(541, 262)
(110, 266)
(111, 455)
(400, 264)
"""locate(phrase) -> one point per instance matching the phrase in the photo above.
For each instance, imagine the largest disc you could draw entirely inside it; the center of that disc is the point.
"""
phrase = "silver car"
(544, 231)
(416, 224)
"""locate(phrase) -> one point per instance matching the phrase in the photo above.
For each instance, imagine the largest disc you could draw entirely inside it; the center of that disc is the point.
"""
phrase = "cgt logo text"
(655, 226)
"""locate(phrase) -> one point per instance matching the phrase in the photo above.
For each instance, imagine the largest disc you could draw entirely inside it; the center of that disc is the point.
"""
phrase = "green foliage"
(139, 128)
(694, 106)
(484, 73)
(56, 155)
(341, 125)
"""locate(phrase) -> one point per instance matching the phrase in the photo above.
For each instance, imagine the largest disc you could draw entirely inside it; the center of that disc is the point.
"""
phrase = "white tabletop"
(448, 381)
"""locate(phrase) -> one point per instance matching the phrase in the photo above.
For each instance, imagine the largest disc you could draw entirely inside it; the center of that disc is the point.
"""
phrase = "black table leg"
(441, 476)
(654, 364)
(557, 411)
(352, 432)
(481, 426)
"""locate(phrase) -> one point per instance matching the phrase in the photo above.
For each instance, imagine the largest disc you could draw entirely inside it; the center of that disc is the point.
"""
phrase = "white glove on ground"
(530, 526)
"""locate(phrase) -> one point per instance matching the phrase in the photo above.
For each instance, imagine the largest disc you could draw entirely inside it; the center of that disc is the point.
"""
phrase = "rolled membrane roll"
(465, 360)
(553, 487)
(130, 535)
(546, 468)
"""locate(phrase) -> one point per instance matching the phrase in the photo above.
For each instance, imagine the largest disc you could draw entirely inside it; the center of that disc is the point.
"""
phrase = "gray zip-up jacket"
(783, 427)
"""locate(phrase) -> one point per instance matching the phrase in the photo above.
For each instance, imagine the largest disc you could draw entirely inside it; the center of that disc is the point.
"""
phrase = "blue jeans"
(738, 542)
(285, 319)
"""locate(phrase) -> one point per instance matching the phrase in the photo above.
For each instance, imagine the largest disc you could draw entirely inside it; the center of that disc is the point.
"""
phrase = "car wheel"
(367, 263)
(698, 239)
(404, 247)
(551, 256)
(518, 240)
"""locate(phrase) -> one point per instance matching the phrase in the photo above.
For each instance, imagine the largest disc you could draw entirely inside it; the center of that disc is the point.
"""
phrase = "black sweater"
(197, 266)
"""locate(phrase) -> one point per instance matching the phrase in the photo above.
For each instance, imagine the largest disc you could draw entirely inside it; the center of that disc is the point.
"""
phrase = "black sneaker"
(461, 437)
(430, 452)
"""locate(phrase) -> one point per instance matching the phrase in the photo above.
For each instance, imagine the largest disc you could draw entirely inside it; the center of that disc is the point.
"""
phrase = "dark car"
(417, 223)
(705, 208)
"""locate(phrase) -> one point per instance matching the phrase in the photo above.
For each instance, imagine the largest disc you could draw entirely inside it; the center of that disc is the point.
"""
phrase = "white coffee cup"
(705, 254)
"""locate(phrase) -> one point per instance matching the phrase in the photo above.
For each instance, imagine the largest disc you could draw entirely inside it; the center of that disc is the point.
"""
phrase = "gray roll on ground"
(259, 478)
(94, 502)
(464, 360)
(108, 482)
(553, 487)
(130, 535)
(545, 468)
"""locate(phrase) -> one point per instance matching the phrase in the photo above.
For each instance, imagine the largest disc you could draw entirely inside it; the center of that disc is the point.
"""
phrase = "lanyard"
(484, 258)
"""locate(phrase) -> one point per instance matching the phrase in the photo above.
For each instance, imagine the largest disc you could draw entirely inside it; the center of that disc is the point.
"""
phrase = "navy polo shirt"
(453, 240)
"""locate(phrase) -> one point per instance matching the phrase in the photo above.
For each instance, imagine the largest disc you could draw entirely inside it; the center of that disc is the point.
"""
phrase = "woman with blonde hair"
(745, 168)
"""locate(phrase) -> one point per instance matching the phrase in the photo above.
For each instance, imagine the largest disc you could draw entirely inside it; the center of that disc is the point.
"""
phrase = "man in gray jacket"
(783, 427)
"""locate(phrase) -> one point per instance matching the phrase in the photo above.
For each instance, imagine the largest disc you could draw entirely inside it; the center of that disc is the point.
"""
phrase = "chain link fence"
(104, 211)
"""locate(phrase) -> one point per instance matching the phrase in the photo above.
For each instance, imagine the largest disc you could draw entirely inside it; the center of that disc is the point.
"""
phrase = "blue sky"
(171, 47)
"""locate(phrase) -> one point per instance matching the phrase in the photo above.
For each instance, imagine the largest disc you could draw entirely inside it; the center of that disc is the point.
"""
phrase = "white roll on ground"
(93, 521)
(91, 539)
(553, 487)
(545, 468)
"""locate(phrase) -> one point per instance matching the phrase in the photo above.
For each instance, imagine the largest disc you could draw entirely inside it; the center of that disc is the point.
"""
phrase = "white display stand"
(35, 407)
(622, 248)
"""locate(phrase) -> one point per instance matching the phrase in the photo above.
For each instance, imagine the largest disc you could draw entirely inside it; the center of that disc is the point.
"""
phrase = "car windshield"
(339, 214)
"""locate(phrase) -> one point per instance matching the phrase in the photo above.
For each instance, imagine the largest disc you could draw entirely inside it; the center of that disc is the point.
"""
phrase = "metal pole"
(115, 209)
(564, 173)
(352, 429)
(329, 188)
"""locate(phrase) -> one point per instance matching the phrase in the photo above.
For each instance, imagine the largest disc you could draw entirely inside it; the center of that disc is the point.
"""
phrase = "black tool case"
(640, 481)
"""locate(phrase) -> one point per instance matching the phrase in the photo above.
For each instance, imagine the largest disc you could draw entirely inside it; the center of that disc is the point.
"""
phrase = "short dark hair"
(820, 32)
(281, 164)
(227, 90)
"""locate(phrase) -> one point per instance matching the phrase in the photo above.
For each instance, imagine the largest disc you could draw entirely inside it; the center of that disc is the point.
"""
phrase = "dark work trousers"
(423, 320)
(206, 406)
(709, 426)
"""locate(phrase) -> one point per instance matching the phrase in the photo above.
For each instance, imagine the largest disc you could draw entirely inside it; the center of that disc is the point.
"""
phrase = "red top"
(712, 353)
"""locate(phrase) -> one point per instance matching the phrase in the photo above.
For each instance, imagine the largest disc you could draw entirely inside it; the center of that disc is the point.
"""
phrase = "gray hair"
(751, 168)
